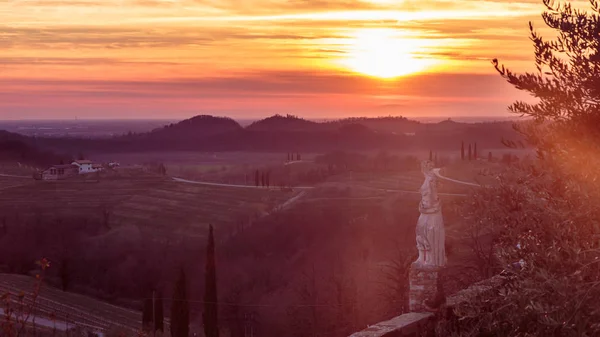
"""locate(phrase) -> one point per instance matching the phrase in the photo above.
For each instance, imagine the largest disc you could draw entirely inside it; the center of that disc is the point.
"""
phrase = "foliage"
(543, 217)
(566, 116)
(551, 227)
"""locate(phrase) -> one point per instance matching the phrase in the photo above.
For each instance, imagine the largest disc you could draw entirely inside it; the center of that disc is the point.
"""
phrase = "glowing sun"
(382, 53)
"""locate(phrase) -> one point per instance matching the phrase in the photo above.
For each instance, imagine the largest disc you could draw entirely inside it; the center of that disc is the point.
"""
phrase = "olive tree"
(545, 215)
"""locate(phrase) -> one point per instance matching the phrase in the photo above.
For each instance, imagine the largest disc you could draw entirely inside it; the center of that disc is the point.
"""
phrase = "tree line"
(152, 314)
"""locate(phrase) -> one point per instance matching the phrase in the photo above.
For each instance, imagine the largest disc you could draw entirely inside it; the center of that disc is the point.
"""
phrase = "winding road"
(436, 171)
(231, 185)
(388, 190)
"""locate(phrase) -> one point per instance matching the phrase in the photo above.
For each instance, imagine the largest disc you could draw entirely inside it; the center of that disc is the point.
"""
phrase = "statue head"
(427, 167)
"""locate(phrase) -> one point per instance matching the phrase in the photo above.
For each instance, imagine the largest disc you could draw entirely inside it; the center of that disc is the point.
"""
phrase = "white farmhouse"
(87, 166)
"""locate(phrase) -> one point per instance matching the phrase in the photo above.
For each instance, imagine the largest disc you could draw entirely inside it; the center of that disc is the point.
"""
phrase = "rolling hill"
(25, 150)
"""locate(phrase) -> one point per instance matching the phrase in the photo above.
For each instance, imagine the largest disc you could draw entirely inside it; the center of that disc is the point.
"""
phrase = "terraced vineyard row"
(8, 182)
(192, 207)
(71, 309)
(149, 203)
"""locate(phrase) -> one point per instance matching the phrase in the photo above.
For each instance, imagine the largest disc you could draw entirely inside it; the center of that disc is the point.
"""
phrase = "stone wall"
(415, 324)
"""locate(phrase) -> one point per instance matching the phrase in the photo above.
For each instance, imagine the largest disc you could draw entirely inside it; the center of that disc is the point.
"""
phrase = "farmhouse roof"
(81, 162)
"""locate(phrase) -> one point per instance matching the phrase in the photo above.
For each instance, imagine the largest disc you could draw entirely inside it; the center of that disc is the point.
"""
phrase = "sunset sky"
(246, 58)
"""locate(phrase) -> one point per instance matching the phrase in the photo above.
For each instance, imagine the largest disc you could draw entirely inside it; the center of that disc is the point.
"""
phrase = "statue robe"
(430, 226)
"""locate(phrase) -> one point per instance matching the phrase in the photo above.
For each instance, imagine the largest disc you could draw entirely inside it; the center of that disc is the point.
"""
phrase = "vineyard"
(62, 310)
(153, 203)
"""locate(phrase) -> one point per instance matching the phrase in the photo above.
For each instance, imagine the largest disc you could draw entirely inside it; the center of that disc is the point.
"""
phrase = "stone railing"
(416, 324)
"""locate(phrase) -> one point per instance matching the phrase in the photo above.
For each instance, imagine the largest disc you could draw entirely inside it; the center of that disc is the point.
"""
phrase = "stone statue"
(430, 227)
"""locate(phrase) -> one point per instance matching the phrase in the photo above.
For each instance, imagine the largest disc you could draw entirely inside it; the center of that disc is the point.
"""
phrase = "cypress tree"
(262, 178)
(470, 153)
(462, 151)
(210, 314)
(158, 313)
(147, 314)
(180, 311)
(490, 156)
(65, 278)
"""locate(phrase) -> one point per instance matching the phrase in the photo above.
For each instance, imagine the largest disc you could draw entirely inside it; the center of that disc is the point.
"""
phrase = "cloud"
(121, 38)
(273, 84)
(232, 54)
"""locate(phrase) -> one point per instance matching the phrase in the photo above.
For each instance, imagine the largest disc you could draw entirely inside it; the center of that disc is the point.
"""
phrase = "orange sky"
(242, 58)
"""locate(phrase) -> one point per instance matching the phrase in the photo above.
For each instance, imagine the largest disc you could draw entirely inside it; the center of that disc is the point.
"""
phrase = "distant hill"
(24, 150)
(198, 127)
(396, 125)
(291, 133)
(284, 123)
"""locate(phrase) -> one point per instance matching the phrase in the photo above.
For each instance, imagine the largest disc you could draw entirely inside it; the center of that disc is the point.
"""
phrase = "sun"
(385, 54)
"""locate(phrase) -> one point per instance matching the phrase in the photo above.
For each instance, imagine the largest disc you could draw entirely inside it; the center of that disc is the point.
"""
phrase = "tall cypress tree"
(65, 277)
(147, 314)
(462, 151)
(158, 312)
(210, 314)
(180, 311)
(470, 153)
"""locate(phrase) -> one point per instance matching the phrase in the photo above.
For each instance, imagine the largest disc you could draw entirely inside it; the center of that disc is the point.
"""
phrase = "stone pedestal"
(426, 293)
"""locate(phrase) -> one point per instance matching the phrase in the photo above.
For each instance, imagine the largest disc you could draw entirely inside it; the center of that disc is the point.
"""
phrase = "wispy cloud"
(117, 52)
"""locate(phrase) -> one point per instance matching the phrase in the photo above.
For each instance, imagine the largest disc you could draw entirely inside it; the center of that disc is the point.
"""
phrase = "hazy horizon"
(425, 119)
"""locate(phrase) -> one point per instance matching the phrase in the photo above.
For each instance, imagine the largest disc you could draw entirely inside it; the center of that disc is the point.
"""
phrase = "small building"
(87, 166)
(60, 172)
